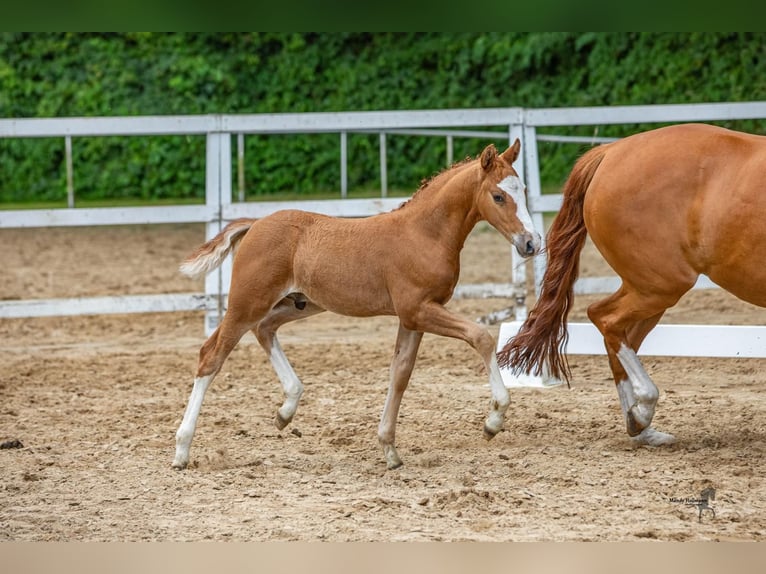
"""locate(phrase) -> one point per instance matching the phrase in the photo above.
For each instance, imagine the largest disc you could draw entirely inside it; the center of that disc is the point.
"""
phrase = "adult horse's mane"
(426, 183)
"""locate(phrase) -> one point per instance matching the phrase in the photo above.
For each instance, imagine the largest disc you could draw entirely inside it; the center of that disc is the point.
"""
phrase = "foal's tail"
(542, 337)
(210, 255)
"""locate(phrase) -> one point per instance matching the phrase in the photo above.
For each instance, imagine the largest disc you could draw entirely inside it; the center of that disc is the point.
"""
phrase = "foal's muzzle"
(527, 244)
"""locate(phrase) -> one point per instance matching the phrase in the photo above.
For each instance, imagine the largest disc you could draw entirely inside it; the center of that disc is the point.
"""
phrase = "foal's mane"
(433, 180)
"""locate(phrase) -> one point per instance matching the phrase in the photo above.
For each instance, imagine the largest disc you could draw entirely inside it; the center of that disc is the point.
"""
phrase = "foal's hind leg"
(625, 319)
(407, 344)
(211, 357)
(289, 309)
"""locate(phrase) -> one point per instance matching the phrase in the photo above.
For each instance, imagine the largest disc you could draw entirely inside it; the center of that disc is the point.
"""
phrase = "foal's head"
(502, 200)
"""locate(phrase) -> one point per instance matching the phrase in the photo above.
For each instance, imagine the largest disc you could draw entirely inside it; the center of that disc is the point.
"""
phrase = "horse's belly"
(352, 305)
(744, 279)
(356, 294)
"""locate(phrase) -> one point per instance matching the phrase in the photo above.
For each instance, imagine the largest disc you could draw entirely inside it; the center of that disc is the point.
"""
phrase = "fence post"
(343, 164)
(534, 190)
(519, 265)
(241, 166)
(226, 184)
(69, 172)
(217, 193)
(383, 166)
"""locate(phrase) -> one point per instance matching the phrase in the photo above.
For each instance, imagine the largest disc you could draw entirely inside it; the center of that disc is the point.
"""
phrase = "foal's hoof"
(180, 465)
(490, 433)
(280, 422)
(392, 457)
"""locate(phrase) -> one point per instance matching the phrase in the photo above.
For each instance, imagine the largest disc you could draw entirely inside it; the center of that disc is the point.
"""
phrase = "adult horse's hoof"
(634, 426)
(638, 418)
(652, 437)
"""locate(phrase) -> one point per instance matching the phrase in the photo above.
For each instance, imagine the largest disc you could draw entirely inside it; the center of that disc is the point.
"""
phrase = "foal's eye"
(499, 198)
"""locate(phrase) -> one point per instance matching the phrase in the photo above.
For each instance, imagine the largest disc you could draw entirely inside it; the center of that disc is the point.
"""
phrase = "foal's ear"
(512, 152)
(488, 157)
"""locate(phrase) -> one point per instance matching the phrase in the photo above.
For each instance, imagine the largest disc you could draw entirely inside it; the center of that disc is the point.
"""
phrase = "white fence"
(218, 207)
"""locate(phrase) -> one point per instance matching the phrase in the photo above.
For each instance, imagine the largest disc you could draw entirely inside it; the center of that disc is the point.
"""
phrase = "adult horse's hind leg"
(407, 344)
(625, 319)
(288, 309)
(211, 358)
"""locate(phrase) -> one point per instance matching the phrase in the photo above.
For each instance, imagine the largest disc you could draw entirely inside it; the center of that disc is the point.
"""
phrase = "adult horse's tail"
(210, 255)
(541, 339)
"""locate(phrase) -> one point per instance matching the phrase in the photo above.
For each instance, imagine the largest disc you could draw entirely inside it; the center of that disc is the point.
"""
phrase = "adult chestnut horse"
(662, 207)
(294, 264)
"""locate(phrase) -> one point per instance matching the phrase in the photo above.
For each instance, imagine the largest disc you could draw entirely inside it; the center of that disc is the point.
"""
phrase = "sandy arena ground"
(95, 402)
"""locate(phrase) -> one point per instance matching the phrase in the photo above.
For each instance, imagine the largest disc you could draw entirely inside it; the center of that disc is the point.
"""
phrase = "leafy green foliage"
(77, 74)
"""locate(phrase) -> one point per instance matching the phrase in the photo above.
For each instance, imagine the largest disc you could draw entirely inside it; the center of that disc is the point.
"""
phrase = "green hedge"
(66, 74)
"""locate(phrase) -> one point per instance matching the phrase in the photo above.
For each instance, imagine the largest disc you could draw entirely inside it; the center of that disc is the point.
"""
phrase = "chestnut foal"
(294, 264)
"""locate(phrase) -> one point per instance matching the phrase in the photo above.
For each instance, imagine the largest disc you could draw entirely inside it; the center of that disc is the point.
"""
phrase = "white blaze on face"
(514, 187)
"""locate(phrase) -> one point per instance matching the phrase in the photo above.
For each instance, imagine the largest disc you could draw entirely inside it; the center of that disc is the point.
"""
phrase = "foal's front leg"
(407, 344)
(434, 318)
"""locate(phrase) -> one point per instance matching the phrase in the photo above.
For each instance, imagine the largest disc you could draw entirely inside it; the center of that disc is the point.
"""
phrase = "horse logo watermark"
(702, 503)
